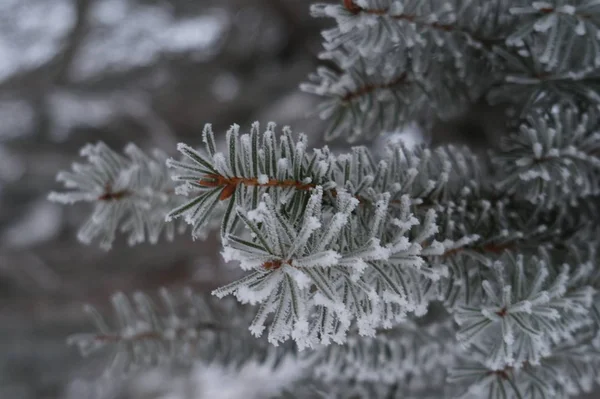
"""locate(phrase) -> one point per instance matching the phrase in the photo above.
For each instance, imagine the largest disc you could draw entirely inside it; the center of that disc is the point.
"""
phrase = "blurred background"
(150, 72)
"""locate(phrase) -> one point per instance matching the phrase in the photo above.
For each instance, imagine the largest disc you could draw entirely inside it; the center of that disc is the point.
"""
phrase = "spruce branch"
(254, 164)
(528, 84)
(418, 44)
(554, 158)
(395, 12)
(570, 370)
(527, 304)
(147, 335)
(559, 30)
(287, 170)
(388, 358)
(131, 194)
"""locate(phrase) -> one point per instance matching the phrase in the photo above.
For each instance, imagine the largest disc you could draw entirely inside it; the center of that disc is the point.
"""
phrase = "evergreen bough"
(416, 272)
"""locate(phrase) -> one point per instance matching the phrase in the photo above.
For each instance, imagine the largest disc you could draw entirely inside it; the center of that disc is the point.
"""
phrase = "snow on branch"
(176, 329)
(252, 164)
(406, 354)
(388, 92)
(402, 61)
(320, 270)
(554, 157)
(519, 317)
(131, 193)
(571, 370)
(367, 28)
(525, 83)
(559, 30)
(256, 163)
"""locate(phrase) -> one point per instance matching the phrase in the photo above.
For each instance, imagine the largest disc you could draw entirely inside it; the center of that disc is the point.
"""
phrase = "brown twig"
(229, 184)
(350, 6)
(502, 312)
(110, 195)
(361, 91)
(276, 264)
(504, 373)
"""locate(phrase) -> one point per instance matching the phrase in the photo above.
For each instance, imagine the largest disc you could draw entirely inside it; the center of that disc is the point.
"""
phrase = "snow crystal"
(282, 164)
(256, 215)
(319, 259)
(263, 179)
(256, 295)
(300, 278)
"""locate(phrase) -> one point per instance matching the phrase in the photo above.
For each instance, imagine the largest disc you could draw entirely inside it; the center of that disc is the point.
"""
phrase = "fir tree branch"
(147, 335)
(423, 22)
(132, 193)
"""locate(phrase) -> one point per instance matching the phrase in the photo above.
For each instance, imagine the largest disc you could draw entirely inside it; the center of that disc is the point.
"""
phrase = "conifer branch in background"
(131, 194)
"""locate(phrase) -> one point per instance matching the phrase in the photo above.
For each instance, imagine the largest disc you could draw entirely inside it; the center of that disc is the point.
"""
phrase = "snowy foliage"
(413, 271)
(390, 357)
(571, 24)
(554, 157)
(253, 164)
(337, 270)
(526, 82)
(524, 307)
(175, 329)
(403, 58)
(131, 194)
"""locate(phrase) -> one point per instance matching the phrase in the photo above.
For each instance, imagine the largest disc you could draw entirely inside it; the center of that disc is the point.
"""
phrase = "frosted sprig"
(131, 193)
(365, 101)
(146, 334)
(525, 83)
(559, 30)
(287, 170)
(411, 27)
(404, 354)
(519, 317)
(404, 280)
(571, 370)
(473, 380)
(403, 61)
(575, 365)
(318, 271)
(553, 158)
(291, 263)
(426, 176)
(253, 164)
(481, 231)
(357, 105)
